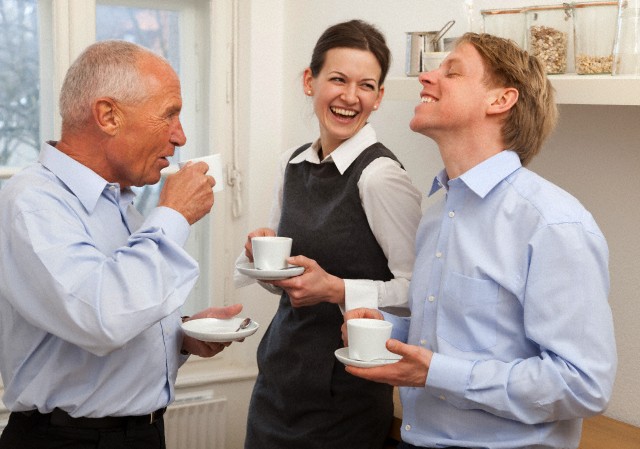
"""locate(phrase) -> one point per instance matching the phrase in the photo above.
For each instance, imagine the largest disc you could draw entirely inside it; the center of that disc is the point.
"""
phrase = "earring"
(309, 92)
(375, 107)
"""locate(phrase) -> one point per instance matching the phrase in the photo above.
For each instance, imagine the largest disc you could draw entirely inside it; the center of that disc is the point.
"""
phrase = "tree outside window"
(19, 78)
(20, 138)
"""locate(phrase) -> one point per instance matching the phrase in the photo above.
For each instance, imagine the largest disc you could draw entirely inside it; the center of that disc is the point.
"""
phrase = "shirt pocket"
(467, 312)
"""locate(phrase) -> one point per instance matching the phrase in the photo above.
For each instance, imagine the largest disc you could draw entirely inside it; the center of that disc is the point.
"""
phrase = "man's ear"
(503, 99)
(107, 115)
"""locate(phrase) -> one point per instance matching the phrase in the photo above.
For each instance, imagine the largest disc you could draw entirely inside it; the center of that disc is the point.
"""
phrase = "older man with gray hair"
(90, 290)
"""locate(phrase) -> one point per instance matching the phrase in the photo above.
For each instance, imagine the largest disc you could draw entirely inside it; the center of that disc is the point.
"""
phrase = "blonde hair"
(535, 114)
(104, 69)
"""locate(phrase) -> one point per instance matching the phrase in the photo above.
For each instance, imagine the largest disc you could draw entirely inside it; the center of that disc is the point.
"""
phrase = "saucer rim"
(247, 268)
(344, 359)
(220, 337)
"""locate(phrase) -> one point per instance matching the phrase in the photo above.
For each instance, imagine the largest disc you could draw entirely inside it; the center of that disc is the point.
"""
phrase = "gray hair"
(104, 69)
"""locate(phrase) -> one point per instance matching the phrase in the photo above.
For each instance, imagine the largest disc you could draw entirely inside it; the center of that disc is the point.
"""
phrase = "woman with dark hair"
(352, 212)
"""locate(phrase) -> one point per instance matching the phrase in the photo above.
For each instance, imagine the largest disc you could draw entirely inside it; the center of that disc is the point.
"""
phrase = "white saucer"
(269, 275)
(342, 354)
(218, 330)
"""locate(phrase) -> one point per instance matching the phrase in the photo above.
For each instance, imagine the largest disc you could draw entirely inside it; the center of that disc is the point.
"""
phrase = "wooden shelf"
(570, 89)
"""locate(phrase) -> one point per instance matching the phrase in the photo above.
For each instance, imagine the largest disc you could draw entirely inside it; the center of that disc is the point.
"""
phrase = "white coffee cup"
(271, 253)
(368, 338)
(215, 164)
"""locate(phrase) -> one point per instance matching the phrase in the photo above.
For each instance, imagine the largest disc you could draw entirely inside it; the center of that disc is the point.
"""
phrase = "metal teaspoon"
(244, 324)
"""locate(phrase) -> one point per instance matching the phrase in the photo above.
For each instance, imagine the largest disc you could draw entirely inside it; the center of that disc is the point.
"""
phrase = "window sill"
(197, 372)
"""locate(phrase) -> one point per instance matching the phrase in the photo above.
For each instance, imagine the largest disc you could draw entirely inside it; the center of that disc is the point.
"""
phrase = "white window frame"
(207, 36)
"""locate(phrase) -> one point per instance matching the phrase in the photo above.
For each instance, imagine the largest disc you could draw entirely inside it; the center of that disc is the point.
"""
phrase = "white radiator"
(196, 424)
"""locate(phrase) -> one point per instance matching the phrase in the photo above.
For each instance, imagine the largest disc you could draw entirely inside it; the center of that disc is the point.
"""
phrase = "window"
(19, 78)
(191, 34)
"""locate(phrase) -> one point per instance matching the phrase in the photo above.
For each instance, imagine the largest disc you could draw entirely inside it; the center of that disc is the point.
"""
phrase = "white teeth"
(345, 112)
(428, 100)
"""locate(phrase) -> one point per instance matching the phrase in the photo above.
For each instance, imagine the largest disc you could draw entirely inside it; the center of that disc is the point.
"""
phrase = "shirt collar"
(482, 178)
(345, 154)
(83, 182)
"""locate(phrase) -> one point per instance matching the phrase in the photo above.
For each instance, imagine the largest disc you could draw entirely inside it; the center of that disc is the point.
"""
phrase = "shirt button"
(407, 427)
(112, 188)
(442, 398)
(431, 298)
(423, 342)
(438, 254)
(452, 214)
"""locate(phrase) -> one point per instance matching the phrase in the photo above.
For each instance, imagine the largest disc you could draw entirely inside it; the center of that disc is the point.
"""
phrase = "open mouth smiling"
(428, 99)
(340, 112)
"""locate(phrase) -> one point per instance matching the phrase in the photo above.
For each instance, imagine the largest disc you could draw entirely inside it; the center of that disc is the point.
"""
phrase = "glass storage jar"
(594, 49)
(549, 29)
(507, 23)
(627, 43)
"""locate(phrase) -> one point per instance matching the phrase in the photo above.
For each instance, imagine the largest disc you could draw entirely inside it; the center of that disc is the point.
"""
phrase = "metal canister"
(420, 42)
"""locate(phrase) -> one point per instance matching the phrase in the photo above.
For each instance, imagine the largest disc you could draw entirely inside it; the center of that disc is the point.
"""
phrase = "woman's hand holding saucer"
(313, 286)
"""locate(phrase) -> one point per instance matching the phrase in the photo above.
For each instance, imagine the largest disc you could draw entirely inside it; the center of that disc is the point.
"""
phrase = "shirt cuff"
(359, 293)
(448, 378)
(182, 358)
(172, 223)
(239, 279)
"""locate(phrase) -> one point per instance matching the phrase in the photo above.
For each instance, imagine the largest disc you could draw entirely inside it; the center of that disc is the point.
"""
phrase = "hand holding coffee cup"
(271, 252)
(368, 338)
(186, 193)
(215, 164)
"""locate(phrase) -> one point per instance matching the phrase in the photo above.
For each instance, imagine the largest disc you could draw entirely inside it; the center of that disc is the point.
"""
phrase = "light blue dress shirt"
(509, 290)
(90, 293)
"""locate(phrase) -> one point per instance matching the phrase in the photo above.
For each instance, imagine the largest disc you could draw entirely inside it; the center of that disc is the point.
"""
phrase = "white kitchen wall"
(594, 153)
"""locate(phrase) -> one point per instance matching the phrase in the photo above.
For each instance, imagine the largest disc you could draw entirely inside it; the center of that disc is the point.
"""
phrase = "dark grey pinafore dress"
(303, 397)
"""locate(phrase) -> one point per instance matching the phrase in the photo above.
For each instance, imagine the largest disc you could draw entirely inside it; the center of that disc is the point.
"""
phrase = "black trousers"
(36, 431)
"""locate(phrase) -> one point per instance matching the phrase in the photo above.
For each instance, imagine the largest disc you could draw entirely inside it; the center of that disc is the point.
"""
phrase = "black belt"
(404, 445)
(411, 446)
(446, 447)
(60, 418)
